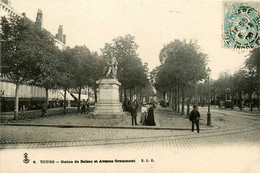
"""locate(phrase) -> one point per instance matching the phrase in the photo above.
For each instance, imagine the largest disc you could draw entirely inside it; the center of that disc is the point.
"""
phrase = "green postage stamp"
(241, 24)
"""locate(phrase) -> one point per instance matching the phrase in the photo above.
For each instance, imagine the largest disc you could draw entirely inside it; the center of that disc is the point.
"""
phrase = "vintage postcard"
(129, 86)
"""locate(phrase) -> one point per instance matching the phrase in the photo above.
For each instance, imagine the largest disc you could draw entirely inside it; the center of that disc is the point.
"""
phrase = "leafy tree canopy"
(131, 72)
(182, 63)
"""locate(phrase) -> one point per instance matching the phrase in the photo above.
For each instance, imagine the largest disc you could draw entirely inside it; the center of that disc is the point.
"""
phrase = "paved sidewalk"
(48, 131)
(165, 118)
(31, 137)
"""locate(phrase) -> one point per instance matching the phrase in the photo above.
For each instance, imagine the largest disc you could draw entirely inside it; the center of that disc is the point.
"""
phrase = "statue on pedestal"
(111, 68)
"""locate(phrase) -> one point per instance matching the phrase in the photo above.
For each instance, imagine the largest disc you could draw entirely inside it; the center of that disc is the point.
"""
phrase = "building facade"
(30, 97)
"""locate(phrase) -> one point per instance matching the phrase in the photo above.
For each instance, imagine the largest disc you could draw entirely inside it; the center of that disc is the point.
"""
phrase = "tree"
(47, 62)
(65, 70)
(222, 83)
(80, 57)
(182, 64)
(21, 44)
(147, 90)
(253, 64)
(131, 72)
(96, 65)
(240, 83)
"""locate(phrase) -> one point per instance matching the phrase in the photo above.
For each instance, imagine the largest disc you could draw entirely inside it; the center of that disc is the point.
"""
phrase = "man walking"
(88, 106)
(83, 106)
(194, 118)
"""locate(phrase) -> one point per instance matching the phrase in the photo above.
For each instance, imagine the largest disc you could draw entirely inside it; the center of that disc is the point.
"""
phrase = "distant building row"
(30, 96)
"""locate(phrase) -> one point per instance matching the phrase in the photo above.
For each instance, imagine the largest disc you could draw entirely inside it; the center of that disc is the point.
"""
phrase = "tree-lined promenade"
(182, 66)
(243, 86)
(183, 75)
(30, 56)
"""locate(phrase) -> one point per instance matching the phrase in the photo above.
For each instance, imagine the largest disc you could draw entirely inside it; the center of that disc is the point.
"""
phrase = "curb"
(107, 127)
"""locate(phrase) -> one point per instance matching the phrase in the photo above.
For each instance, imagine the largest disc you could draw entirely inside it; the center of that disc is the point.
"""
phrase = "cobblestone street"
(230, 127)
(231, 145)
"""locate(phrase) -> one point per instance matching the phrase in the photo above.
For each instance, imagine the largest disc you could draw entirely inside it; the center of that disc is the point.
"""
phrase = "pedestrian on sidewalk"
(143, 113)
(88, 106)
(194, 118)
(83, 106)
(44, 109)
(150, 118)
(133, 111)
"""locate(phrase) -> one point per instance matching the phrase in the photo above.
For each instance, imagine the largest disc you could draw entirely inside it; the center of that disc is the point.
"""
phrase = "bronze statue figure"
(111, 68)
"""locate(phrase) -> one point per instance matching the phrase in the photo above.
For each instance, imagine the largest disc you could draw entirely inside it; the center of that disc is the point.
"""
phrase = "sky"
(152, 23)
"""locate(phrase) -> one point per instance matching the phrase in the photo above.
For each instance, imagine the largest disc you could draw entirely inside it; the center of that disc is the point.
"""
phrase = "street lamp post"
(208, 114)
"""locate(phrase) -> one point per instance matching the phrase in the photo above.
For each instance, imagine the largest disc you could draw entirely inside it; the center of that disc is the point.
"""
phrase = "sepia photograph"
(129, 86)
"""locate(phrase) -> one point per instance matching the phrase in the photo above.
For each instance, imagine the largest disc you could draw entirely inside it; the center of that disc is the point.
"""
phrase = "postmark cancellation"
(241, 24)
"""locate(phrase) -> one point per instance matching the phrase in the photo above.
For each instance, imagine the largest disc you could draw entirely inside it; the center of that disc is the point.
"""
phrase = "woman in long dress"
(143, 114)
(150, 118)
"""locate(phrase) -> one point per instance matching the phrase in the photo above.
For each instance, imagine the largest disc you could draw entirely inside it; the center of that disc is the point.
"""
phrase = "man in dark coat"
(83, 106)
(44, 108)
(88, 106)
(133, 111)
(194, 118)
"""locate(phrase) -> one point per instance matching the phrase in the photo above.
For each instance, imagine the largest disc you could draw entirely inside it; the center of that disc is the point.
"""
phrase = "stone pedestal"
(108, 104)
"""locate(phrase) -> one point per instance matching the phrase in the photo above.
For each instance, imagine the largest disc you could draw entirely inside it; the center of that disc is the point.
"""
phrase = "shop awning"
(82, 96)
(68, 96)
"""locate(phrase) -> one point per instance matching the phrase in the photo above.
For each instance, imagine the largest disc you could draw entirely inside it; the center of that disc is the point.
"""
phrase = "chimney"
(60, 33)
(64, 39)
(39, 19)
(24, 14)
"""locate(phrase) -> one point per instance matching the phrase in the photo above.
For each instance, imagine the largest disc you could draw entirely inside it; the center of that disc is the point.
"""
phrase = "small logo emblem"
(26, 160)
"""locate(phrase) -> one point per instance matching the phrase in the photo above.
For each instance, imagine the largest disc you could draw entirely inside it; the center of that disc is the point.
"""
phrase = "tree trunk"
(196, 96)
(95, 93)
(178, 100)
(175, 100)
(79, 99)
(214, 98)
(182, 101)
(170, 98)
(125, 95)
(88, 92)
(16, 104)
(188, 108)
(125, 99)
(131, 95)
(47, 96)
(251, 102)
(64, 104)
(188, 101)
(241, 101)
(233, 99)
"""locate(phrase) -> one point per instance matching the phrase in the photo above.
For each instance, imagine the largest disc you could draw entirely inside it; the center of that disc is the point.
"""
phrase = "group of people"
(83, 105)
(147, 113)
